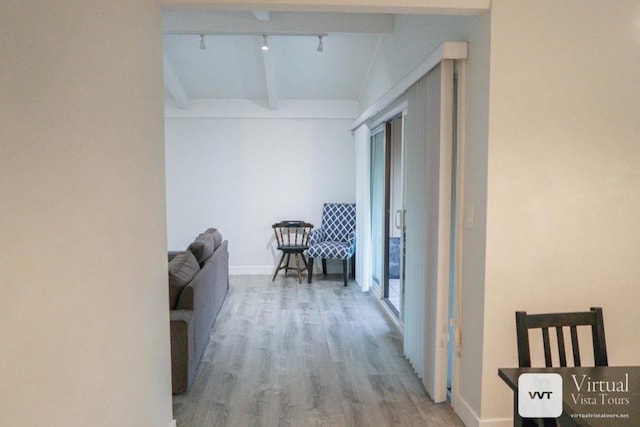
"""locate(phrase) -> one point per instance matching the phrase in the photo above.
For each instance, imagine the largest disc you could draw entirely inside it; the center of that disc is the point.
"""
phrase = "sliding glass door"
(395, 225)
(378, 207)
(387, 213)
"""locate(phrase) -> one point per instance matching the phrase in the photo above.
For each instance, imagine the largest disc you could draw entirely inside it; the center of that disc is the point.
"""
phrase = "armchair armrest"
(352, 242)
(352, 239)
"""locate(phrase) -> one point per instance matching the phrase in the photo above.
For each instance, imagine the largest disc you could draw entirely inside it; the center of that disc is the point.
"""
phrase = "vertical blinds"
(428, 145)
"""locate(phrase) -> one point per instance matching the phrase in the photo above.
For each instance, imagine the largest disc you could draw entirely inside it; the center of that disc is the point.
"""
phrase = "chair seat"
(292, 248)
(331, 250)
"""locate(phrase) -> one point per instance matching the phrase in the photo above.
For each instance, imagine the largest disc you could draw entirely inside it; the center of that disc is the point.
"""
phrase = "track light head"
(265, 45)
(202, 45)
(320, 45)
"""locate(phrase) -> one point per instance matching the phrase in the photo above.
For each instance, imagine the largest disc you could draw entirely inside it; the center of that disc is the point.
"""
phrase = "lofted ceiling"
(233, 65)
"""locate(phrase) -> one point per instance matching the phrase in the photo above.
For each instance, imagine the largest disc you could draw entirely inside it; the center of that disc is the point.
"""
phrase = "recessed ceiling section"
(233, 65)
(338, 72)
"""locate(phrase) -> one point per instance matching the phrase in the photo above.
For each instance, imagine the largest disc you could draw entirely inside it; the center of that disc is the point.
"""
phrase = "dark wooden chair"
(560, 321)
(292, 238)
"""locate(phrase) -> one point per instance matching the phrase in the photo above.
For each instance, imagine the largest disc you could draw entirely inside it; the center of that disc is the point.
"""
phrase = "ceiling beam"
(270, 78)
(447, 7)
(173, 84)
(262, 15)
(210, 22)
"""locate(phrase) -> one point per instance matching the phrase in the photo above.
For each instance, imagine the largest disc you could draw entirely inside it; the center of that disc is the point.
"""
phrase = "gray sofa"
(198, 285)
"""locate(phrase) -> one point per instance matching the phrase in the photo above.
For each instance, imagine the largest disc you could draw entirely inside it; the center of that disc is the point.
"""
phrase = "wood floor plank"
(287, 354)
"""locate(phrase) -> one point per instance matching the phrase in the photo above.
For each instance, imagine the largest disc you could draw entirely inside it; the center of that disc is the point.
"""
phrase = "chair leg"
(353, 267)
(278, 267)
(286, 266)
(345, 270)
(324, 266)
(298, 267)
(309, 269)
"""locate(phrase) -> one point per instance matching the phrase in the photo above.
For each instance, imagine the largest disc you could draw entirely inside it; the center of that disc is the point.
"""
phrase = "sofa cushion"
(205, 244)
(182, 269)
(217, 237)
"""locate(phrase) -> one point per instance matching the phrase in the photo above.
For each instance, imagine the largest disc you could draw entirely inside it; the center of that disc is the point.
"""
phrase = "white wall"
(563, 195)
(84, 325)
(242, 175)
(468, 400)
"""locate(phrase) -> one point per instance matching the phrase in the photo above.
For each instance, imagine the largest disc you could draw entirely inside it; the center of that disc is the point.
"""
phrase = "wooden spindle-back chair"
(292, 238)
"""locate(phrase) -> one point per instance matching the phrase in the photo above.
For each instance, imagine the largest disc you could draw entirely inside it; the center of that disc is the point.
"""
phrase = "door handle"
(399, 219)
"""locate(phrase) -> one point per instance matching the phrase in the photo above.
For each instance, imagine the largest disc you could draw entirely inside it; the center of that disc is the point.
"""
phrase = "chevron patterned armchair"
(335, 239)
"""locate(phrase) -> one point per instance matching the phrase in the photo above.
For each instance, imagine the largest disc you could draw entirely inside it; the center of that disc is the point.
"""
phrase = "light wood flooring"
(289, 354)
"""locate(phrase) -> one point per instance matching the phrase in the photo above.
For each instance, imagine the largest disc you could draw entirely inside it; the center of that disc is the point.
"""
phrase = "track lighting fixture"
(265, 41)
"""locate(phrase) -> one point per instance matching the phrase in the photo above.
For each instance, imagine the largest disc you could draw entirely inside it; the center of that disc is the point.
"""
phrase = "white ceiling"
(234, 67)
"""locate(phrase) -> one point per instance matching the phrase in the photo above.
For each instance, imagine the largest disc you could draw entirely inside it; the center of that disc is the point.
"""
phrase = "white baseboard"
(464, 411)
(173, 423)
(251, 270)
(497, 422)
(471, 419)
(333, 267)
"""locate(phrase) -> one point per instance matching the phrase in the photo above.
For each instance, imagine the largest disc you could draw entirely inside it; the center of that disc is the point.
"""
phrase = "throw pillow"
(203, 246)
(182, 269)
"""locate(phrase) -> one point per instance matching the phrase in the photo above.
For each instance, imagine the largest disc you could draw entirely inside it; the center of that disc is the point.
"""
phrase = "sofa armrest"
(187, 297)
(183, 365)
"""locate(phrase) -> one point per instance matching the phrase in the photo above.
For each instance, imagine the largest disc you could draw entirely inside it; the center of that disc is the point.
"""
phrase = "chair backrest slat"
(575, 346)
(278, 233)
(593, 318)
(561, 351)
(547, 347)
(292, 233)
